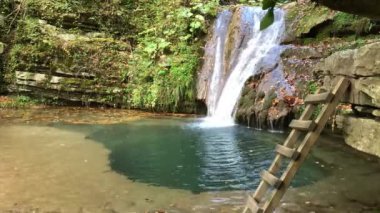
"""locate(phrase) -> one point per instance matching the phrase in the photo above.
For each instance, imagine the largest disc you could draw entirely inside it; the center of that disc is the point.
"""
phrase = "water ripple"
(178, 154)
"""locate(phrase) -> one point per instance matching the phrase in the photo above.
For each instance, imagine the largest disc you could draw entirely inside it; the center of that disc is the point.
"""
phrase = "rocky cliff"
(321, 44)
(362, 65)
(136, 54)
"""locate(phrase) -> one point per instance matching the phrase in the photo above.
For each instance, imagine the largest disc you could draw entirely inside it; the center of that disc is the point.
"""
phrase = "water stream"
(257, 51)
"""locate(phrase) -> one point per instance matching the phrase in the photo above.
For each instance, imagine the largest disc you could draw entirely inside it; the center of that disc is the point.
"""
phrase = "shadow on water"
(176, 153)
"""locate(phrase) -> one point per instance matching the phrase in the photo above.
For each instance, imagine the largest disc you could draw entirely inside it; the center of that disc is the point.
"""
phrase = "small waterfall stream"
(241, 50)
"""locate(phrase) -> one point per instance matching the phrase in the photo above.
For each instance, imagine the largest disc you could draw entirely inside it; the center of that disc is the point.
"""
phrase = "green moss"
(163, 66)
(301, 18)
(345, 24)
(247, 98)
(109, 16)
(268, 100)
(351, 22)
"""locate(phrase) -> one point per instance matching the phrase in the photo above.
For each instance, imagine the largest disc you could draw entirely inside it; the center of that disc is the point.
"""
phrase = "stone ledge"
(361, 62)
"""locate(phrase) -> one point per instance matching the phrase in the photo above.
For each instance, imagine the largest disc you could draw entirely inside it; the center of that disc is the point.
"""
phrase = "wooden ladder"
(259, 202)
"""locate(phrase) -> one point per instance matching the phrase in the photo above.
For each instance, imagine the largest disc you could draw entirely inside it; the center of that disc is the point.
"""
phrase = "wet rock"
(238, 25)
(262, 104)
(2, 47)
(204, 75)
(376, 113)
(2, 21)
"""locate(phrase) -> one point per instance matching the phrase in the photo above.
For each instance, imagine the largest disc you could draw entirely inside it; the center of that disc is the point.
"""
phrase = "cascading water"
(255, 52)
(221, 30)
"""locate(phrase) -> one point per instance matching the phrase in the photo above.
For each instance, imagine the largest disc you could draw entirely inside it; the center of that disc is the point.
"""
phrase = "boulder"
(362, 134)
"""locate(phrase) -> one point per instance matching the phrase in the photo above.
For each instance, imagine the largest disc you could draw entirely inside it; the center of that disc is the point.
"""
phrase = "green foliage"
(268, 4)
(163, 65)
(39, 45)
(110, 16)
(150, 50)
(17, 102)
(312, 87)
(348, 22)
(267, 20)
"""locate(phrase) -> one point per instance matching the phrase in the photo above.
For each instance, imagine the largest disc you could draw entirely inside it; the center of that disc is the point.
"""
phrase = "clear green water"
(177, 153)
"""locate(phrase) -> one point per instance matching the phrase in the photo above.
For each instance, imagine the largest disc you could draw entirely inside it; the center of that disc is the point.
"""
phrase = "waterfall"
(241, 50)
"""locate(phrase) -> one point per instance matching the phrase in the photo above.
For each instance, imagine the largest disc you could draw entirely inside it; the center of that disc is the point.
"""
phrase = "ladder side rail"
(276, 164)
(306, 146)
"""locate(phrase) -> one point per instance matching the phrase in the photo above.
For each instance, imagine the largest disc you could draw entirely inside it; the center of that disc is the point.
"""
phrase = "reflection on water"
(176, 153)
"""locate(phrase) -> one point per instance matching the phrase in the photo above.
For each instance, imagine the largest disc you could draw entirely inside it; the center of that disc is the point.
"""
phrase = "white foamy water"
(262, 52)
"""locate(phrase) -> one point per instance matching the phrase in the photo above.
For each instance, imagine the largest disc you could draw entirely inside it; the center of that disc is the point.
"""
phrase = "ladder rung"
(253, 205)
(287, 152)
(307, 125)
(271, 179)
(325, 97)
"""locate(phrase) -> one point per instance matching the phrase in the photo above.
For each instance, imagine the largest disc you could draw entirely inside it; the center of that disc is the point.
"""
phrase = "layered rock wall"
(362, 67)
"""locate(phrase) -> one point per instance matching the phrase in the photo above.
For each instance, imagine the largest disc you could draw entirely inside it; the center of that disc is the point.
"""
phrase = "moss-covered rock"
(144, 54)
(301, 18)
(262, 104)
(43, 53)
(87, 15)
(318, 22)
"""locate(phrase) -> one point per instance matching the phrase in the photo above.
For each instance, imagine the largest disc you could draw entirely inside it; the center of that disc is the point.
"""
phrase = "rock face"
(204, 75)
(362, 134)
(62, 65)
(272, 98)
(362, 67)
(266, 101)
(361, 62)
(2, 46)
(237, 25)
(301, 18)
